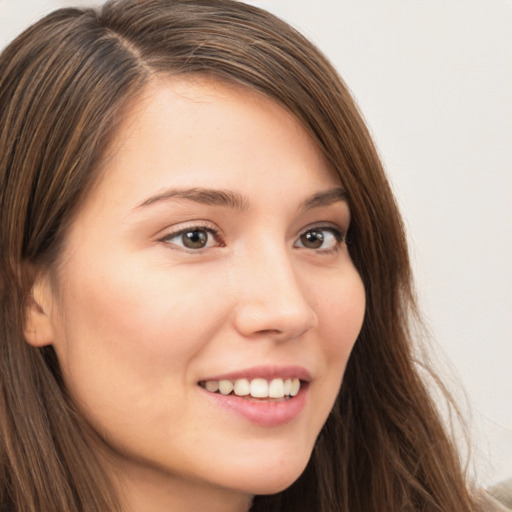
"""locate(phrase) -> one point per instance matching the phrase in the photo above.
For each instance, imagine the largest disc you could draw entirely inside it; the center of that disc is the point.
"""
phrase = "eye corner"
(349, 238)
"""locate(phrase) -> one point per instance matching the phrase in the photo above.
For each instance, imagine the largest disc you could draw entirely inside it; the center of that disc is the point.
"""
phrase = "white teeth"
(257, 388)
(242, 387)
(276, 388)
(225, 386)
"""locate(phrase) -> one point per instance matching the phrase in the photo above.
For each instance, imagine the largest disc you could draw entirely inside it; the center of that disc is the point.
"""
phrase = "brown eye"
(321, 239)
(312, 239)
(196, 239)
(193, 239)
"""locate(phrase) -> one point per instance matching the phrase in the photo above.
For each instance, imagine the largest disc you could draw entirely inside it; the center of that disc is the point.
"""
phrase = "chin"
(273, 479)
(277, 485)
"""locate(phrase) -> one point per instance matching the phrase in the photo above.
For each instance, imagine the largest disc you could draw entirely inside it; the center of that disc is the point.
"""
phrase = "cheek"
(342, 309)
(127, 346)
(341, 313)
(130, 324)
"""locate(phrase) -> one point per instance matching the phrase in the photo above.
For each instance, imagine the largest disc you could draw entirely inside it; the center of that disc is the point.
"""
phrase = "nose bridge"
(270, 298)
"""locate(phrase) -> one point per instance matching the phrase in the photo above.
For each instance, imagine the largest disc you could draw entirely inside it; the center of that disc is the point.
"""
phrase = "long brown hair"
(64, 84)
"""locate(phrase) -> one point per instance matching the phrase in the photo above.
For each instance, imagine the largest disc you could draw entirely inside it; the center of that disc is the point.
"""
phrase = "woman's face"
(210, 254)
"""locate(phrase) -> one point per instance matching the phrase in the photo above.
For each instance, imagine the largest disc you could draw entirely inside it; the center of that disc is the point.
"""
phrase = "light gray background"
(434, 82)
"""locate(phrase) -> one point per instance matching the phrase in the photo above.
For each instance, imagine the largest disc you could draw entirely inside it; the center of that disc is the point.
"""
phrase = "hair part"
(64, 85)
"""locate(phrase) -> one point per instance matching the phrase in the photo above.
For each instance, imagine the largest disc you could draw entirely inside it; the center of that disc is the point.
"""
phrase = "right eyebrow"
(217, 197)
(325, 198)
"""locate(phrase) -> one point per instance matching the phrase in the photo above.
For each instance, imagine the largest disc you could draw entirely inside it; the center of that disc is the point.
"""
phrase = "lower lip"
(267, 414)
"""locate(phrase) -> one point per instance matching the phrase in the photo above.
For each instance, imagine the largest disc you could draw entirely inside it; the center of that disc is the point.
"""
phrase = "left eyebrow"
(324, 198)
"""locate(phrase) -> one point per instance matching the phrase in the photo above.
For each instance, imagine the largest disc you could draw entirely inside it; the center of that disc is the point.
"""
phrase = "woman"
(198, 248)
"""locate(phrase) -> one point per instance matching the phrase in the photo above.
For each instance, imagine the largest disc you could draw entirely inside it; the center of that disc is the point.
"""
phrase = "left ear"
(38, 329)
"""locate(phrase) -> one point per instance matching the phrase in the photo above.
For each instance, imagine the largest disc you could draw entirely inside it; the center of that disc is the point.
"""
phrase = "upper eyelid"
(191, 228)
(340, 235)
(323, 225)
(187, 226)
(169, 235)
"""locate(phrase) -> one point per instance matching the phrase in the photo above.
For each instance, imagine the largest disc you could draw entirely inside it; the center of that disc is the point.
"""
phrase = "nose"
(271, 299)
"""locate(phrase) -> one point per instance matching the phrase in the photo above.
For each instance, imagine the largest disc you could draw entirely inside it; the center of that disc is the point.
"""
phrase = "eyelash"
(339, 235)
(190, 229)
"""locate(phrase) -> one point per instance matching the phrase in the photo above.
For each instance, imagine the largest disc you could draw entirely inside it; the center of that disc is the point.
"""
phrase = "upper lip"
(265, 372)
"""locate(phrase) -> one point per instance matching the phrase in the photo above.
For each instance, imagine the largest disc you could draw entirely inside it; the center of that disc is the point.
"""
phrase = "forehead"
(199, 109)
(198, 131)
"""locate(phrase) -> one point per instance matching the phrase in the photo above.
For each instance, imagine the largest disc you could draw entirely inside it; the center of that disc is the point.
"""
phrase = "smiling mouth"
(255, 389)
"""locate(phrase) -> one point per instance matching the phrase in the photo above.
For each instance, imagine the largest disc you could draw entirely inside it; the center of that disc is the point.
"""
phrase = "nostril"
(274, 324)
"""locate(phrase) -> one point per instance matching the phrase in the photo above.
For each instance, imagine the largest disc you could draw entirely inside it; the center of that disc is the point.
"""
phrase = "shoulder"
(500, 495)
(493, 505)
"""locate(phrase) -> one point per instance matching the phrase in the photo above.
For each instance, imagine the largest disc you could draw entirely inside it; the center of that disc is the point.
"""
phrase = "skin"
(137, 319)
